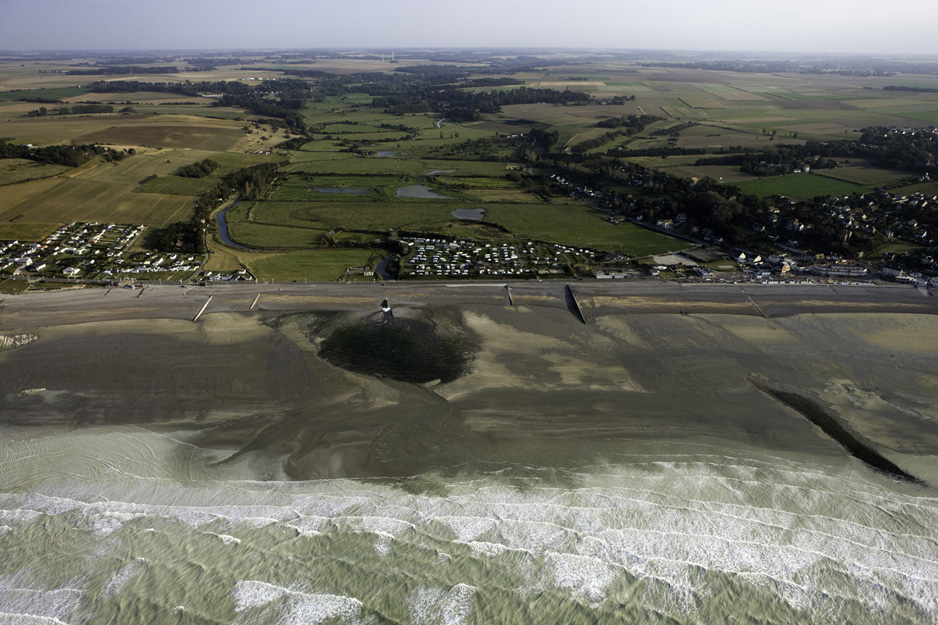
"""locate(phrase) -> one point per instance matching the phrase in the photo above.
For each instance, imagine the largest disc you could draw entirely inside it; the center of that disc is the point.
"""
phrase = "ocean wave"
(257, 602)
(435, 606)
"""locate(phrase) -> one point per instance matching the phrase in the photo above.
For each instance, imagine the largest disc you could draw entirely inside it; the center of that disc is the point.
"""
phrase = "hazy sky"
(899, 26)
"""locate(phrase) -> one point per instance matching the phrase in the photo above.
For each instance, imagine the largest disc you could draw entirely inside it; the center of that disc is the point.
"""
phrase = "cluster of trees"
(40, 100)
(628, 126)
(282, 99)
(181, 237)
(293, 144)
(75, 109)
(662, 152)
(491, 81)
(460, 105)
(187, 236)
(198, 170)
(723, 209)
(632, 124)
(782, 159)
(70, 155)
(915, 152)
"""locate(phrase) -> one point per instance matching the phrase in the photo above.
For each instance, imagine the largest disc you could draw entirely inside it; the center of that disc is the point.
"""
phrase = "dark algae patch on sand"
(819, 416)
(417, 348)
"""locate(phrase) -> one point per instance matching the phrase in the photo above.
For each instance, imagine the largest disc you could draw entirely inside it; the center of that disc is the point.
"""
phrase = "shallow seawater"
(128, 525)
(405, 349)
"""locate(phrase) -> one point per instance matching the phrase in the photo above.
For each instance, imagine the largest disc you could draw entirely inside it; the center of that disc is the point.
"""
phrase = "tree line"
(289, 96)
(69, 155)
(187, 236)
(197, 170)
(462, 106)
(783, 159)
(75, 109)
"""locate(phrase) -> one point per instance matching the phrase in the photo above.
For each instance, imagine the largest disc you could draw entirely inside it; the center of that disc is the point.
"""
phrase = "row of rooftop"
(441, 257)
(96, 251)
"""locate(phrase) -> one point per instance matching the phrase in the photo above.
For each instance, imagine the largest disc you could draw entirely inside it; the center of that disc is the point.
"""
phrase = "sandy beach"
(590, 453)
(653, 361)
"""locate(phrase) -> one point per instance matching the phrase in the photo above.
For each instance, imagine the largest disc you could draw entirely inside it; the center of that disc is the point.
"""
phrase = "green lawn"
(12, 287)
(580, 226)
(26, 232)
(315, 265)
(177, 185)
(801, 186)
(864, 175)
(301, 224)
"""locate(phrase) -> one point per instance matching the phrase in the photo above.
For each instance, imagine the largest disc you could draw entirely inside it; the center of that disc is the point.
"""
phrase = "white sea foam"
(434, 606)
(467, 528)
(54, 604)
(14, 618)
(782, 528)
(257, 601)
(229, 540)
(486, 549)
(586, 578)
(127, 573)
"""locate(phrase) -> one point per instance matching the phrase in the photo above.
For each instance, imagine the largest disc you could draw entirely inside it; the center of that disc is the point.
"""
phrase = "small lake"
(469, 214)
(345, 191)
(421, 191)
(384, 154)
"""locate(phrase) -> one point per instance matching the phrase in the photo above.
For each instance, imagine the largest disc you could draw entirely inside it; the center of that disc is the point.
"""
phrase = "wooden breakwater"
(573, 305)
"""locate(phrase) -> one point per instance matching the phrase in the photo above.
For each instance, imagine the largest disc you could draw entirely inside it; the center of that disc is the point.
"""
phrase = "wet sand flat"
(618, 463)
(251, 380)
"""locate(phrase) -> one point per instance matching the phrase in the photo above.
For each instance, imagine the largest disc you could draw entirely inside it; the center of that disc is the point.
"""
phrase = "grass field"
(928, 188)
(316, 265)
(580, 226)
(58, 200)
(862, 173)
(296, 224)
(13, 170)
(26, 231)
(801, 186)
(166, 135)
(12, 287)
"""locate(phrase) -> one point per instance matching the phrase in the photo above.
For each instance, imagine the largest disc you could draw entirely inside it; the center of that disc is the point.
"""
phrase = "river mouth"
(410, 346)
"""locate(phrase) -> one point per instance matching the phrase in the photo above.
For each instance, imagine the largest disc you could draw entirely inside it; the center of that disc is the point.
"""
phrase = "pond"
(469, 214)
(421, 191)
(384, 154)
(345, 191)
